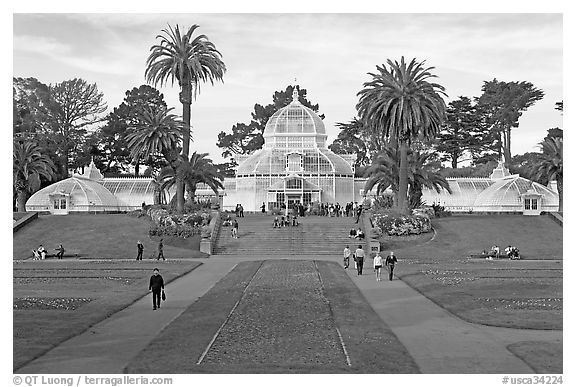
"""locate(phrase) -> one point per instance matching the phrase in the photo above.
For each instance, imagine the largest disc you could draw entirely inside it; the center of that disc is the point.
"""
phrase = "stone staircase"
(315, 235)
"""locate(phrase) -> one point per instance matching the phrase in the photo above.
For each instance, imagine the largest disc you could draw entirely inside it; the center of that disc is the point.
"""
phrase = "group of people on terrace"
(285, 221)
(511, 252)
(42, 253)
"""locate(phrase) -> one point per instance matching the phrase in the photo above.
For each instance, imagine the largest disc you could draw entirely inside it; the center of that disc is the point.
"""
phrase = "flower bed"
(183, 226)
(394, 224)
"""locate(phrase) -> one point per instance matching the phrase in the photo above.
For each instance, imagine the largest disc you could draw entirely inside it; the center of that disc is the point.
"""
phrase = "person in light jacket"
(378, 266)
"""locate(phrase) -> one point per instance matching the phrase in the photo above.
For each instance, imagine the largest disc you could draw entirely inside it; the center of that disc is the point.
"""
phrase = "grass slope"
(542, 356)
(97, 236)
(42, 289)
(519, 294)
(285, 322)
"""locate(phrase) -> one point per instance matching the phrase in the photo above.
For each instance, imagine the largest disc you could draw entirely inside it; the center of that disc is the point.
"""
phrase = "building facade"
(294, 166)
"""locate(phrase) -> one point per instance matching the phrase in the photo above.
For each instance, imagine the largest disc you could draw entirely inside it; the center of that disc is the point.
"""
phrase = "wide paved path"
(438, 341)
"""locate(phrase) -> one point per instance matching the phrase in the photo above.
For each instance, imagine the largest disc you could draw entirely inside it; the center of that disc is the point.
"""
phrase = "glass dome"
(507, 193)
(312, 161)
(294, 120)
(84, 195)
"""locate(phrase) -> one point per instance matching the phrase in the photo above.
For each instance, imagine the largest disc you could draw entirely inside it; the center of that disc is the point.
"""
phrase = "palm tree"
(199, 169)
(189, 60)
(156, 131)
(422, 172)
(550, 165)
(28, 166)
(403, 105)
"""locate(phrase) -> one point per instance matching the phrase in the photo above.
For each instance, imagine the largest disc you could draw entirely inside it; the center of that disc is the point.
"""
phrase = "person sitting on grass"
(352, 233)
(294, 221)
(41, 252)
(514, 253)
(494, 252)
(227, 221)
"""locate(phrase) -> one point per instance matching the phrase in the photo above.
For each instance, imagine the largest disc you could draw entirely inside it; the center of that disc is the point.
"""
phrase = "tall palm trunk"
(186, 100)
(21, 198)
(177, 164)
(403, 179)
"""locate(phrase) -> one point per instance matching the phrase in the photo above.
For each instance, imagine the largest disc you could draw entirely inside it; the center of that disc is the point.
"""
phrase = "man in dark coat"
(60, 252)
(390, 262)
(140, 247)
(160, 250)
(156, 286)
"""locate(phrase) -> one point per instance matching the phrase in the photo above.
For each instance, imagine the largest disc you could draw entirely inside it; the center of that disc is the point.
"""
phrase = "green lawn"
(285, 320)
(98, 236)
(519, 294)
(540, 355)
(55, 300)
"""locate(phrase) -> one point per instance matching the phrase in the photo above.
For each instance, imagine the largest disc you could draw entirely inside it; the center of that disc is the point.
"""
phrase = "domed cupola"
(295, 124)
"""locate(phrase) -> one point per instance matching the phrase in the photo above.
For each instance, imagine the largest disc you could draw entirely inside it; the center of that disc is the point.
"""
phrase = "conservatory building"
(294, 166)
(501, 192)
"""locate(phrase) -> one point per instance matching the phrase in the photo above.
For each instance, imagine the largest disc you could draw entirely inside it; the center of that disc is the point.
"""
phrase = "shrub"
(166, 224)
(440, 211)
(384, 202)
(396, 224)
(137, 213)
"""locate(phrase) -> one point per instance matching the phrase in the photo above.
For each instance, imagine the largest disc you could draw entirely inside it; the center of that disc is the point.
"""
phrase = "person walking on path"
(346, 257)
(358, 213)
(161, 250)
(378, 266)
(60, 251)
(235, 229)
(359, 254)
(263, 207)
(140, 248)
(391, 261)
(157, 287)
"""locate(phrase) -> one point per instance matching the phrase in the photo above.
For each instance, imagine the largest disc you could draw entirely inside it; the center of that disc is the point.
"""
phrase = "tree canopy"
(503, 104)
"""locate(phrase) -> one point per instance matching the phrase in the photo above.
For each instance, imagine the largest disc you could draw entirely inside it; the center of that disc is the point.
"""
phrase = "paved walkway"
(438, 341)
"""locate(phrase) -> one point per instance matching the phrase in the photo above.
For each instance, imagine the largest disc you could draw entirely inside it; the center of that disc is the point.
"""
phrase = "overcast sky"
(329, 55)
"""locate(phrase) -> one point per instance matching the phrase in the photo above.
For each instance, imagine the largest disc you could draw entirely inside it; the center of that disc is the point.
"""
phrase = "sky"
(330, 55)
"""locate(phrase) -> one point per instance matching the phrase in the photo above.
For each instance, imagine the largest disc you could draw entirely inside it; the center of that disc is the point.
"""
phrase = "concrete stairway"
(315, 235)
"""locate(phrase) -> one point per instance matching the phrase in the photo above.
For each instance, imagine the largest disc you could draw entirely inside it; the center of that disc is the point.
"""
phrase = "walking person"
(157, 287)
(140, 248)
(235, 229)
(263, 207)
(359, 254)
(60, 251)
(347, 253)
(358, 213)
(241, 210)
(378, 266)
(160, 250)
(391, 261)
